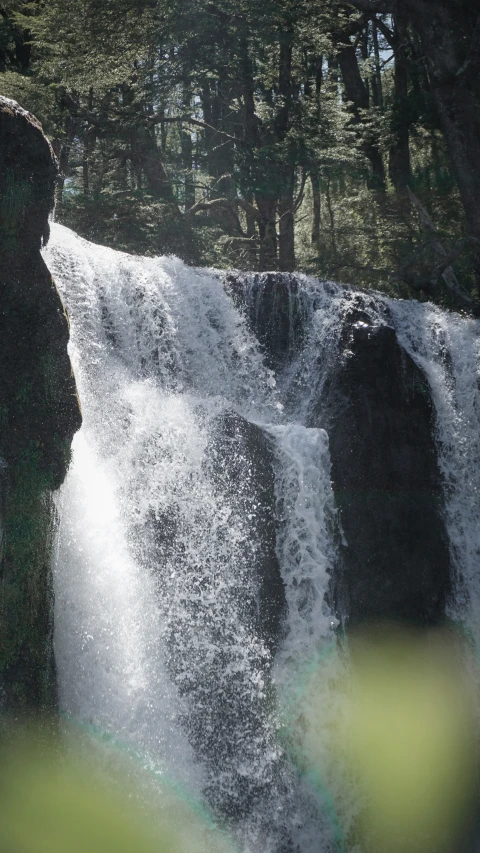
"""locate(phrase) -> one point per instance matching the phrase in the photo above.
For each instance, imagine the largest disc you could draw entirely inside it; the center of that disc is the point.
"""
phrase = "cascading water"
(158, 635)
(165, 636)
(447, 348)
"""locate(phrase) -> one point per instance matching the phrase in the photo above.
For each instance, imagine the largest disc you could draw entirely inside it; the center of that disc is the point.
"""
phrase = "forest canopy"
(337, 138)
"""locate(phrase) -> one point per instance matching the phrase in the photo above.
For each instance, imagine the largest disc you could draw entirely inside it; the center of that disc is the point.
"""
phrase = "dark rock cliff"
(241, 460)
(39, 410)
(375, 403)
(393, 557)
(275, 311)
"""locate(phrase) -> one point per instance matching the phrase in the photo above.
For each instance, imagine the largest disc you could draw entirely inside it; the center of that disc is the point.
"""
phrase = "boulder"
(275, 311)
(393, 555)
(375, 403)
(28, 171)
(39, 409)
(240, 459)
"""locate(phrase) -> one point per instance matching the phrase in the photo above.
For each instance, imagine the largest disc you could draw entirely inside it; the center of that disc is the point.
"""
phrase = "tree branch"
(331, 268)
(301, 192)
(471, 67)
(386, 32)
(248, 208)
(208, 204)
(353, 28)
(159, 119)
(211, 204)
(373, 7)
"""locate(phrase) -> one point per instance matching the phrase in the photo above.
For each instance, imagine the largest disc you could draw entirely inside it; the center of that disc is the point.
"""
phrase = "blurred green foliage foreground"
(393, 738)
(54, 801)
(387, 724)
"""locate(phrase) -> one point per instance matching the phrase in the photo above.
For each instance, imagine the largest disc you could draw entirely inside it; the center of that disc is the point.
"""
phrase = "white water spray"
(155, 587)
(153, 639)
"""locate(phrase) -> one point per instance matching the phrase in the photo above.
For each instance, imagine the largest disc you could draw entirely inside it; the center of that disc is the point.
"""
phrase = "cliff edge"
(39, 411)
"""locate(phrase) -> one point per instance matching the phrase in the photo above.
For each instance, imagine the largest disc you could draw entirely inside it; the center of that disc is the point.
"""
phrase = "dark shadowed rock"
(28, 170)
(240, 458)
(376, 406)
(275, 311)
(39, 408)
(394, 559)
(229, 692)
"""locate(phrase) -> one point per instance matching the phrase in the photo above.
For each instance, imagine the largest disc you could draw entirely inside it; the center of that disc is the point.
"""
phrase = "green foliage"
(241, 134)
(131, 222)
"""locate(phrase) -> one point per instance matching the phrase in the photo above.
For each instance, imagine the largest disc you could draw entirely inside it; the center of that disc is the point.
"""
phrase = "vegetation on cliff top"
(335, 137)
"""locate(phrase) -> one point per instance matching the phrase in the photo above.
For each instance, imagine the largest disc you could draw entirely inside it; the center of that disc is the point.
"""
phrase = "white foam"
(152, 567)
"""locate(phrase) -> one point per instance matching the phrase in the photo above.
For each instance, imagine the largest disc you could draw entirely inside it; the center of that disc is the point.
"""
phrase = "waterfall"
(198, 529)
(158, 603)
(447, 348)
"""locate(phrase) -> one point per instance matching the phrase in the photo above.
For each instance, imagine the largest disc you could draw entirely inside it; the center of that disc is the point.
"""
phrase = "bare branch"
(231, 203)
(353, 28)
(208, 204)
(373, 7)
(388, 34)
(248, 208)
(301, 193)
(186, 119)
(247, 241)
(331, 268)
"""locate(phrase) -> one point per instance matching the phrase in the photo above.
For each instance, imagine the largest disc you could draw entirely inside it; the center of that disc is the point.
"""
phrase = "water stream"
(158, 607)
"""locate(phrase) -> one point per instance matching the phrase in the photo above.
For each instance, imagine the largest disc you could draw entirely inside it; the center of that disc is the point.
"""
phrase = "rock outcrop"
(375, 403)
(393, 558)
(39, 409)
(242, 464)
(275, 311)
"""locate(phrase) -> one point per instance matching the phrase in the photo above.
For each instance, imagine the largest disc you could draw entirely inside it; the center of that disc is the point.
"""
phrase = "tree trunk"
(147, 158)
(286, 169)
(356, 92)
(186, 145)
(355, 89)
(317, 209)
(63, 161)
(268, 233)
(187, 157)
(286, 242)
(88, 146)
(399, 155)
(377, 85)
(446, 32)
(332, 219)
(459, 113)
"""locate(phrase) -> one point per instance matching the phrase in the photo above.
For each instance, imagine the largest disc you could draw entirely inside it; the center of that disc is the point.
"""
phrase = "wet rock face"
(394, 558)
(39, 408)
(38, 400)
(242, 461)
(274, 311)
(229, 704)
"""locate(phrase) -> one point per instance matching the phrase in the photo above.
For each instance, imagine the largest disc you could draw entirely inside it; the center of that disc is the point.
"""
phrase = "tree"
(449, 33)
(277, 135)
